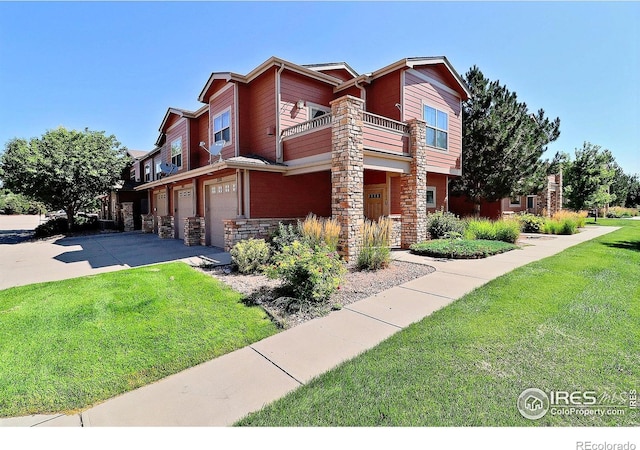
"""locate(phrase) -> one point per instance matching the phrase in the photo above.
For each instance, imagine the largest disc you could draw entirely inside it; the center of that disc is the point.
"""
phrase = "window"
(431, 197)
(176, 152)
(317, 111)
(132, 174)
(530, 202)
(158, 170)
(147, 172)
(437, 127)
(221, 127)
(514, 201)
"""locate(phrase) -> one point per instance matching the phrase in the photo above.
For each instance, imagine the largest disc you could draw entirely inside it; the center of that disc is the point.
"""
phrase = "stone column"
(166, 227)
(127, 216)
(147, 223)
(413, 187)
(203, 235)
(192, 231)
(347, 173)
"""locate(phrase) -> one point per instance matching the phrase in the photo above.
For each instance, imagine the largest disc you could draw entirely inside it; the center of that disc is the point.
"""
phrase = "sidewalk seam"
(430, 293)
(374, 318)
(281, 369)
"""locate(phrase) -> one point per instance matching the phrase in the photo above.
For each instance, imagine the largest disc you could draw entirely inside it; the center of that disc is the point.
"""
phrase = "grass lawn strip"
(66, 345)
(569, 322)
(461, 248)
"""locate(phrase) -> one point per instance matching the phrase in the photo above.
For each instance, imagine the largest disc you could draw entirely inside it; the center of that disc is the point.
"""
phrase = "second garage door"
(222, 204)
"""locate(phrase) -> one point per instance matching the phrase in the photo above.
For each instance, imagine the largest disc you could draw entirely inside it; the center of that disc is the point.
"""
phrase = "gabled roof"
(181, 113)
(332, 66)
(410, 63)
(137, 154)
(269, 63)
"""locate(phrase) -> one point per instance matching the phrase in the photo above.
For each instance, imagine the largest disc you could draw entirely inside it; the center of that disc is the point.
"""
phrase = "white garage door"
(222, 204)
(184, 208)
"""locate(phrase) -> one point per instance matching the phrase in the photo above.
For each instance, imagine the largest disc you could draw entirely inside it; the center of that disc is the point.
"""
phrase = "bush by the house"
(310, 274)
(441, 223)
(618, 212)
(460, 248)
(60, 225)
(320, 231)
(530, 223)
(283, 236)
(250, 255)
(498, 230)
(375, 251)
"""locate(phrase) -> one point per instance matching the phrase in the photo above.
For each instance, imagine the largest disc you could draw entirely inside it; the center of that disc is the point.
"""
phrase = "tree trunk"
(476, 209)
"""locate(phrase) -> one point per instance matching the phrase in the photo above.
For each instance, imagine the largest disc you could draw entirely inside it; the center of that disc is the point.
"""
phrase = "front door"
(374, 197)
(184, 209)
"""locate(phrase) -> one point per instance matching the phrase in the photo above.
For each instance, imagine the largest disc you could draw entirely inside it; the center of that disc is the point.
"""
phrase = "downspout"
(279, 157)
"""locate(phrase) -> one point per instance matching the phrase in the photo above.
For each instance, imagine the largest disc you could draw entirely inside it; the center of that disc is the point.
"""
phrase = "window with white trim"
(132, 174)
(222, 127)
(147, 172)
(176, 152)
(316, 111)
(531, 202)
(158, 170)
(437, 127)
(514, 201)
(431, 197)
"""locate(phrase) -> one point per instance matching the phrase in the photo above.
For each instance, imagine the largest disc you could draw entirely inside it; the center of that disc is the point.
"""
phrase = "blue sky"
(117, 66)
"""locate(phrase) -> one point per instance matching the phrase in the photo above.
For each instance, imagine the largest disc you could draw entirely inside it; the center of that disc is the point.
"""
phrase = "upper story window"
(222, 127)
(158, 170)
(316, 111)
(147, 172)
(132, 174)
(176, 152)
(437, 127)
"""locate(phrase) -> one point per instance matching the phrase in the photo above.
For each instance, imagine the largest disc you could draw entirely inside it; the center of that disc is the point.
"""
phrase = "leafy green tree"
(65, 169)
(502, 141)
(587, 181)
(633, 194)
(620, 185)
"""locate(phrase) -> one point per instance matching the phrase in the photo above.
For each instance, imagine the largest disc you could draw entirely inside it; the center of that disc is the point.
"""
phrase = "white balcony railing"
(308, 125)
(384, 122)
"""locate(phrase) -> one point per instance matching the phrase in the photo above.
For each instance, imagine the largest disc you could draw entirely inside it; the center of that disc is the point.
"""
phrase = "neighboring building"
(316, 139)
(547, 202)
(132, 177)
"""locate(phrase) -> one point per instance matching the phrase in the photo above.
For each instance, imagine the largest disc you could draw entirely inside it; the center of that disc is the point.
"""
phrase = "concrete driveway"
(25, 262)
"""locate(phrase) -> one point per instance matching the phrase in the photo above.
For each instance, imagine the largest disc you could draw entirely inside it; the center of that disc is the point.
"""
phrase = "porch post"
(347, 173)
(413, 187)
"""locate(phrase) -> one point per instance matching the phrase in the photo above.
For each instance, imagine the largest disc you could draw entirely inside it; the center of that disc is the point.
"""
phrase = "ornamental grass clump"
(318, 231)
(506, 230)
(375, 250)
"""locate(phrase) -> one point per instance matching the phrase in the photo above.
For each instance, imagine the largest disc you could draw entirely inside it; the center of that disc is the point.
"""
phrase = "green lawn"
(569, 322)
(461, 248)
(66, 345)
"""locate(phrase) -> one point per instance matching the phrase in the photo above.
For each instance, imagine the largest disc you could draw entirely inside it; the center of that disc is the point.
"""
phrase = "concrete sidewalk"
(221, 391)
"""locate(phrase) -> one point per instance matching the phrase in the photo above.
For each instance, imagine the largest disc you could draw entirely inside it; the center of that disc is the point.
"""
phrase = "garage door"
(222, 204)
(184, 207)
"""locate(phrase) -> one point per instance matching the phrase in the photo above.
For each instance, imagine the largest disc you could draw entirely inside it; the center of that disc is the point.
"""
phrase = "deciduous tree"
(65, 169)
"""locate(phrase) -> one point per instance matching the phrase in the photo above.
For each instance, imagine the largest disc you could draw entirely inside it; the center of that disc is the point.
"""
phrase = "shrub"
(530, 223)
(618, 212)
(499, 230)
(52, 227)
(311, 274)
(580, 218)
(441, 223)
(283, 236)
(375, 251)
(250, 255)
(318, 231)
(461, 248)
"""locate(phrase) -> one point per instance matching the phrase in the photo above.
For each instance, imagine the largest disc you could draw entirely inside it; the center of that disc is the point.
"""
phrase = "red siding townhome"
(286, 140)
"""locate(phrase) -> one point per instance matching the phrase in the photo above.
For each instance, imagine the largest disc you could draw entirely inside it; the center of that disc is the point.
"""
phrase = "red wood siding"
(378, 139)
(394, 204)
(217, 105)
(172, 119)
(294, 87)
(463, 208)
(178, 132)
(438, 181)
(418, 91)
(375, 177)
(274, 195)
(341, 74)
(383, 94)
(506, 204)
(353, 91)
(203, 136)
(258, 112)
(313, 143)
